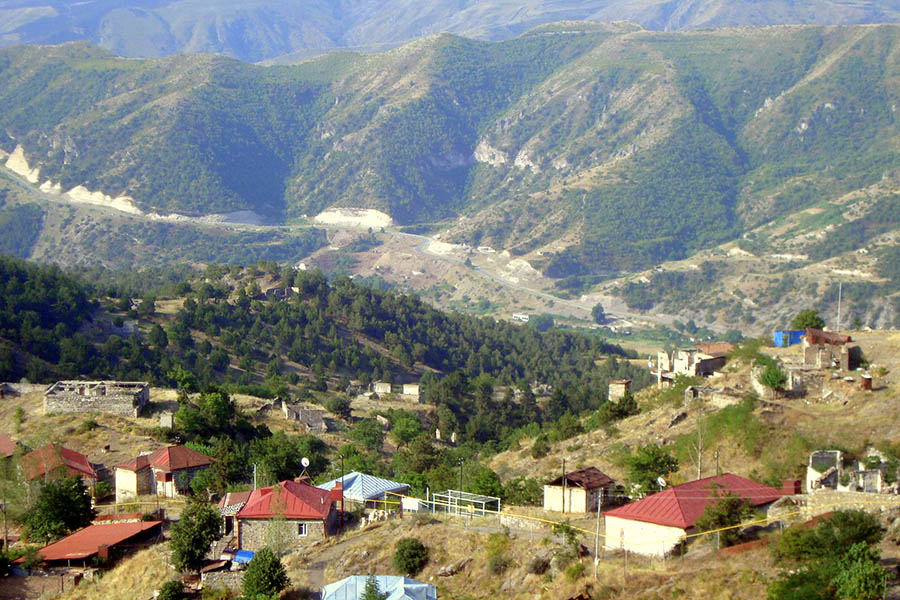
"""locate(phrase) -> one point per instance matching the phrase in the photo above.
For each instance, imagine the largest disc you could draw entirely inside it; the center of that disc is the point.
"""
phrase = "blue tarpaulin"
(243, 556)
(789, 337)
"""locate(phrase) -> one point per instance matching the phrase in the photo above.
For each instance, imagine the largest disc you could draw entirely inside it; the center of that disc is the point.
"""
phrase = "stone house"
(580, 491)
(167, 472)
(411, 390)
(123, 398)
(701, 361)
(832, 470)
(53, 462)
(312, 419)
(294, 511)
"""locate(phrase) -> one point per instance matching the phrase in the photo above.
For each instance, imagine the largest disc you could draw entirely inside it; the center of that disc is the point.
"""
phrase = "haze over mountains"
(266, 29)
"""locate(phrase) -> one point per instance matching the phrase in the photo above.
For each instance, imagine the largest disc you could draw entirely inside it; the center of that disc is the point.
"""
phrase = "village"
(137, 497)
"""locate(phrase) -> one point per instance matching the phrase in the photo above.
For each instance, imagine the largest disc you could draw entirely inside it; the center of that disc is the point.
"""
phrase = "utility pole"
(564, 486)
(840, 289)
(718, 471)
(254, 476)
(597, 541)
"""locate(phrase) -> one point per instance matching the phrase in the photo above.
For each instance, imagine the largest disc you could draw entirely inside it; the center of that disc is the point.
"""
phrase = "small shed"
(788, 337)
(580, 491)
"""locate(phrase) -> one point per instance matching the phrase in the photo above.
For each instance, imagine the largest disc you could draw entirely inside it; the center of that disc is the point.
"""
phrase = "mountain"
(265, 29)
(606, 148)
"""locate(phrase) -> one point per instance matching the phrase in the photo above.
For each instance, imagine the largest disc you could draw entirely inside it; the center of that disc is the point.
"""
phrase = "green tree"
(598, 314)
(192, 535)
(860, 575)
(340, 406)
(773, 377)
(406, 427)
(372, 590)
(808, 318)
(369, 434)
(62, 506)
(647, 465)
(170, 590)
(542, 322)
(265, 575)
(728, 510)
(410, 556)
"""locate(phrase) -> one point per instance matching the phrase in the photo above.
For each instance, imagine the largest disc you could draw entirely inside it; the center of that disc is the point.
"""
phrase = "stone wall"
(123, 399)
(253, 532)
(827, 500)
(230, 580)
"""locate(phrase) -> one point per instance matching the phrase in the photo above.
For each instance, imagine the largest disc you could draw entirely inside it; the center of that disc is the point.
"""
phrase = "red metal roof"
(589, 478)
(86, 542)
(232, 498)
(7, 445)
(171, 458)
(52, 458)
(289, 500)
(680, 506)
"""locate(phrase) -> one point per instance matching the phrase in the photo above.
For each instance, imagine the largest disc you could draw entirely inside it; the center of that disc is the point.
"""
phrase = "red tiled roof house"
(656, 525)
(303, 512)
(580, 492)
(54, 461)
(166, 472)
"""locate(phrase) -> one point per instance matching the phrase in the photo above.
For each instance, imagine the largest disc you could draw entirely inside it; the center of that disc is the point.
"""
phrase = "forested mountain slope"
(612, 146)
(266, 29)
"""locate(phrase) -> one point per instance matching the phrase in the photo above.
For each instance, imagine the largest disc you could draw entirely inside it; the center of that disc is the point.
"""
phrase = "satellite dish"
(304, 461)
(661, 482)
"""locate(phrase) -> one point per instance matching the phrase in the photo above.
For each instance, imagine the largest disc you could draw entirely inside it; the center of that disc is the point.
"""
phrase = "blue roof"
(396, 588)
(362, 487)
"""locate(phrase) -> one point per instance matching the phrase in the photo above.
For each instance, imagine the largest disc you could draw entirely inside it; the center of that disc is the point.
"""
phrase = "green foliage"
(192, 535)
(773, 377)
(368, 433)
(646, 466)
(405, 427)
(62, 506)
(727, 510)
(265, 575)
(807, 318)
(611, 410)
(861, 576)
(410, 556)
(372, 591)
(170, 590)
(542, 322)
(598, 314)
(339, 405)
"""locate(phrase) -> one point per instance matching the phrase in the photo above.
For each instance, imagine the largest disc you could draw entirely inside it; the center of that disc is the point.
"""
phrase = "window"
(301, 529)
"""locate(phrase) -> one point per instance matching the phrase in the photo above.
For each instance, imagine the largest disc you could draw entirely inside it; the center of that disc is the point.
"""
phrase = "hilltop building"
(123, 398)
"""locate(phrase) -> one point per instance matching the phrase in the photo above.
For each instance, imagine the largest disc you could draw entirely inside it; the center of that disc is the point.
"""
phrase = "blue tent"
(396, 588)
(362, 487)
(789, 337)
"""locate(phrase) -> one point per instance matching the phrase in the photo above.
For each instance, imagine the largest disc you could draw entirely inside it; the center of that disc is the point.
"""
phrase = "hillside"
(265, 29)
(605, 148)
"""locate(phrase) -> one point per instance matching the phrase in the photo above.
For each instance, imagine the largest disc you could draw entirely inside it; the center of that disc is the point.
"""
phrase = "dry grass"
(134, 578)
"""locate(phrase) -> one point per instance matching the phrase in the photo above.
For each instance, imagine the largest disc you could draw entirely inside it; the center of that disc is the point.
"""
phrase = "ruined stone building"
(123, 398)
(826, 350)
(833, 470)
(700, 361)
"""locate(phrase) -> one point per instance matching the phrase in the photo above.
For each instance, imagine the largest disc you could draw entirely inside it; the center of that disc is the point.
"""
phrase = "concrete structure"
(394, 587)
(382, 387)
(618, 388)
(580, 491)
(656, 525)
(54, 461)
(166, 472)
(295, 511)
(411, 390)
(123, 398)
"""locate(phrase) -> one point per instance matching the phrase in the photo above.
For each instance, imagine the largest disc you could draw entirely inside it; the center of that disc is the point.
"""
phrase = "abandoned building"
(313, 420)
(123, 398)
(618, 388)
(829, 350)
(833, 470)
(581, 491)
(720, 397)
(702, 361)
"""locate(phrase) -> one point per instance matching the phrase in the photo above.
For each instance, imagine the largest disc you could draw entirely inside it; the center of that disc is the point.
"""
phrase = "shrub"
(574, 571)
(192, 535)
(411, 556)
(538, 565)
(265, 575)
(170, 590)
(498, 563)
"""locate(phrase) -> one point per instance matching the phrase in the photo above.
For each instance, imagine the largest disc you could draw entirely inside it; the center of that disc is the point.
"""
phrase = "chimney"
(337, 491)
(790, 487)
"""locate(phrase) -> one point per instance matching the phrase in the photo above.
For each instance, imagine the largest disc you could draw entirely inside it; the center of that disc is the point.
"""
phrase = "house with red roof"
(167, 472)
(303, 512)
(657, 524)
(97, 541)
(54, 461)
(7, 446)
